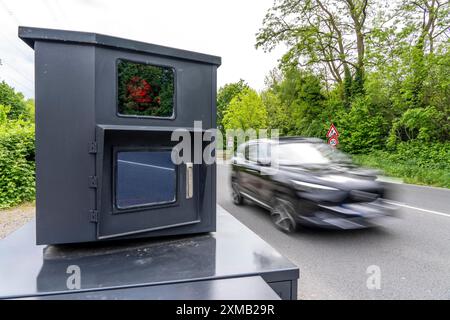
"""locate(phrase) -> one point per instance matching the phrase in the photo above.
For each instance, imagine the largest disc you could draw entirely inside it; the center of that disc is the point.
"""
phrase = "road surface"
(411, 254)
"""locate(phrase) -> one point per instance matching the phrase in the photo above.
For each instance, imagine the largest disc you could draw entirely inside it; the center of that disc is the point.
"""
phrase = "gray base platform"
(245, 288)
(228, 264)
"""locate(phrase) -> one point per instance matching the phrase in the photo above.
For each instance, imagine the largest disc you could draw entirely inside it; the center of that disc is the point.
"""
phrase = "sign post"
(332, 136)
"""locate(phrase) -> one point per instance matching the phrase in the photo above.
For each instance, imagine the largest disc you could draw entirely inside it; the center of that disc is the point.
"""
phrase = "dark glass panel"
(145, 178)
(145, 90)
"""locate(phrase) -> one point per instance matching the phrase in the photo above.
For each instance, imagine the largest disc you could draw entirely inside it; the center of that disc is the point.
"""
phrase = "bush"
(423, 124)
(425, 155)
(15, 100)
(17, 168)
(415, 162)
(362, 128)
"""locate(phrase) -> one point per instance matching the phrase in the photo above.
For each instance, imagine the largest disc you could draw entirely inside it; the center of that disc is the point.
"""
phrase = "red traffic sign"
(333, 141)
(332, 132)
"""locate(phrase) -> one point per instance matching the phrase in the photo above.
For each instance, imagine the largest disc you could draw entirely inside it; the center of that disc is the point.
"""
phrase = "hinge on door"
(93, 216)
(93, 181)
(93, 147)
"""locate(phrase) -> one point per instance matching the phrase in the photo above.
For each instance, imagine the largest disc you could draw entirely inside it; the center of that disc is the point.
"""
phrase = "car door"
(263, 182)
(249, 170)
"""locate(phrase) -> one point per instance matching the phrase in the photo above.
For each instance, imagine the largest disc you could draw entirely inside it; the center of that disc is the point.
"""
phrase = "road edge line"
(419, 209)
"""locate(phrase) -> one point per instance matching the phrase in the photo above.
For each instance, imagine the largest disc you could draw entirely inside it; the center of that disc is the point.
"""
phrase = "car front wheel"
(282, 215)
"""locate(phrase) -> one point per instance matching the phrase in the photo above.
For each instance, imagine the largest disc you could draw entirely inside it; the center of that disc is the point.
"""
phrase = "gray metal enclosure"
(103, 137)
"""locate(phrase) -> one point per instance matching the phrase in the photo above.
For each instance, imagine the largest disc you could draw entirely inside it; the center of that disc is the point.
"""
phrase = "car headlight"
(313, 186)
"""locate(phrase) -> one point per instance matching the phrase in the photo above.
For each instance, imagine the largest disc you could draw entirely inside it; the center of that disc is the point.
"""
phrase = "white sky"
(220, 27)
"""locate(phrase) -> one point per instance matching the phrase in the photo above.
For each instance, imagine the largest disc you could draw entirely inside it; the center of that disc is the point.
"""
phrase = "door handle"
(189, 180)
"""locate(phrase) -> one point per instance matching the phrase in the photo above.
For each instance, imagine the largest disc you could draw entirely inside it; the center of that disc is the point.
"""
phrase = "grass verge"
(409, 170)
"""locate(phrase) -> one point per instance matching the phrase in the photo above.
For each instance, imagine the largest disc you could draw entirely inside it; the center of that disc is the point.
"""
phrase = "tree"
(324, 35)
(299, 97)
(427, 20)
(224, 97)
(245, 111)
(407, 45)
(278, 116)
(15, 101)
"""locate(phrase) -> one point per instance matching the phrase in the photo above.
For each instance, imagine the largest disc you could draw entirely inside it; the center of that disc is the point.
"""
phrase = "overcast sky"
(220, 27)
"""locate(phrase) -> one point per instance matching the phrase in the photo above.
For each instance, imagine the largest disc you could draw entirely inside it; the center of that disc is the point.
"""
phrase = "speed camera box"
(106, 108)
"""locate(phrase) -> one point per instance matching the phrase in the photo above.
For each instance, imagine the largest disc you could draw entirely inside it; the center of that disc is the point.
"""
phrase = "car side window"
(251, 152)
(240, 152)
(264, 155)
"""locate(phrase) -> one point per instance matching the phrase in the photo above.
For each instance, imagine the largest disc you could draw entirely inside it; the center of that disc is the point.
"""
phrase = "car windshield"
(307, 154)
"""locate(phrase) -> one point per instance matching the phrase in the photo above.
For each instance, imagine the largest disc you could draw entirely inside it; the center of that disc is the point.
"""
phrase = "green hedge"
(415, 162)
(17, 167)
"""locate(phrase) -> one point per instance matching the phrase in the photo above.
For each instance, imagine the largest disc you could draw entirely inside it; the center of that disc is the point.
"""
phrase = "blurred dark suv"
(305, 181)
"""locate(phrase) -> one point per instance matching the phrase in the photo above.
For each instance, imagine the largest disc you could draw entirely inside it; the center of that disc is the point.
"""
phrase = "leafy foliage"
(16, 160)
(224, 97)
(422, 124)
(363, 129)
(18, 107)
(420, 163)
(379, 70)
(295, 105)
(245, 111)
(277, 112)
(326, 36)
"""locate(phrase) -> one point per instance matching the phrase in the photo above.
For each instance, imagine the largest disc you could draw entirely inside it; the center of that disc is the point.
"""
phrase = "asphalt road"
(412, 251)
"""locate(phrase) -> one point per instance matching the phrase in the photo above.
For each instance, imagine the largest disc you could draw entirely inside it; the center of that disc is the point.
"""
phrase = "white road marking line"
(145, 165)
(419, 209)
